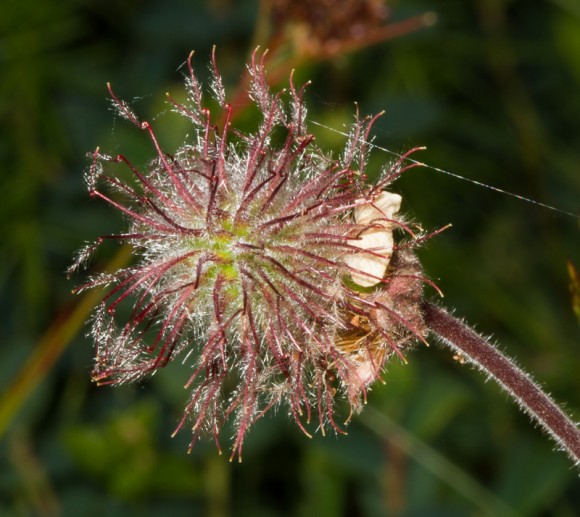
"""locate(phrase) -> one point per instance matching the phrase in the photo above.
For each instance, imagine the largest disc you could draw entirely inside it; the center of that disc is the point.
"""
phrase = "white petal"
(380, 242)
(366, 373)
(384, 206)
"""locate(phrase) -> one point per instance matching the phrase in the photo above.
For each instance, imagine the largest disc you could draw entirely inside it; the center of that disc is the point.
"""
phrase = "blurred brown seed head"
(320, 26)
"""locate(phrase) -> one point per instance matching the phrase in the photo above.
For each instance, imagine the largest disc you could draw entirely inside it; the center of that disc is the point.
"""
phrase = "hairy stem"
(458, 336)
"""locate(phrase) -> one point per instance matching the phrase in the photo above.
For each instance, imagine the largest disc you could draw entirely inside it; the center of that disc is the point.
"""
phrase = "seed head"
(271, 271)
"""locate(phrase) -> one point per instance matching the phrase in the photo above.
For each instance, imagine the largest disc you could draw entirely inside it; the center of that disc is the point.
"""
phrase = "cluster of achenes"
(272, 271)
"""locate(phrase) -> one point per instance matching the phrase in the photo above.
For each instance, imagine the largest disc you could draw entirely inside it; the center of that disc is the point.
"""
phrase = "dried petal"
(370, 266)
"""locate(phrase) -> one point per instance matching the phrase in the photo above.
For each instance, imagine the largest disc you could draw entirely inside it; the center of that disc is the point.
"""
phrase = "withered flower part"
(326, 28)
(254, 265)
(330, 20)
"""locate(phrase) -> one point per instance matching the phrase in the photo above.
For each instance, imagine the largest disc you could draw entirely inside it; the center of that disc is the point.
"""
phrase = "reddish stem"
(458, 336)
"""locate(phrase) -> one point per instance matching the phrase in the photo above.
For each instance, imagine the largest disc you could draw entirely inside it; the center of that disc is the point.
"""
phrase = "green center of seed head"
(222, 246)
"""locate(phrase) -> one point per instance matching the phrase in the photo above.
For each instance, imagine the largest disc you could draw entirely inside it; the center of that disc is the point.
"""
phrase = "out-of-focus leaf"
(122, 454)
(574, 288)
(531, 476)
(323, 493)
(568, 37)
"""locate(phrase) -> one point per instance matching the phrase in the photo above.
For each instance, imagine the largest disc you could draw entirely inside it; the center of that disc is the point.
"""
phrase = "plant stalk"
(477, 350)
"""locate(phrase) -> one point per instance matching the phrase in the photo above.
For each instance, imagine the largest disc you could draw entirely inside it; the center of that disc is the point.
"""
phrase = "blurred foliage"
(491, 89)
(574, 289)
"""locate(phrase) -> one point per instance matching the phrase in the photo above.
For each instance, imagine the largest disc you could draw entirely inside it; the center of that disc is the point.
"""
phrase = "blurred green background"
(492, 89)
